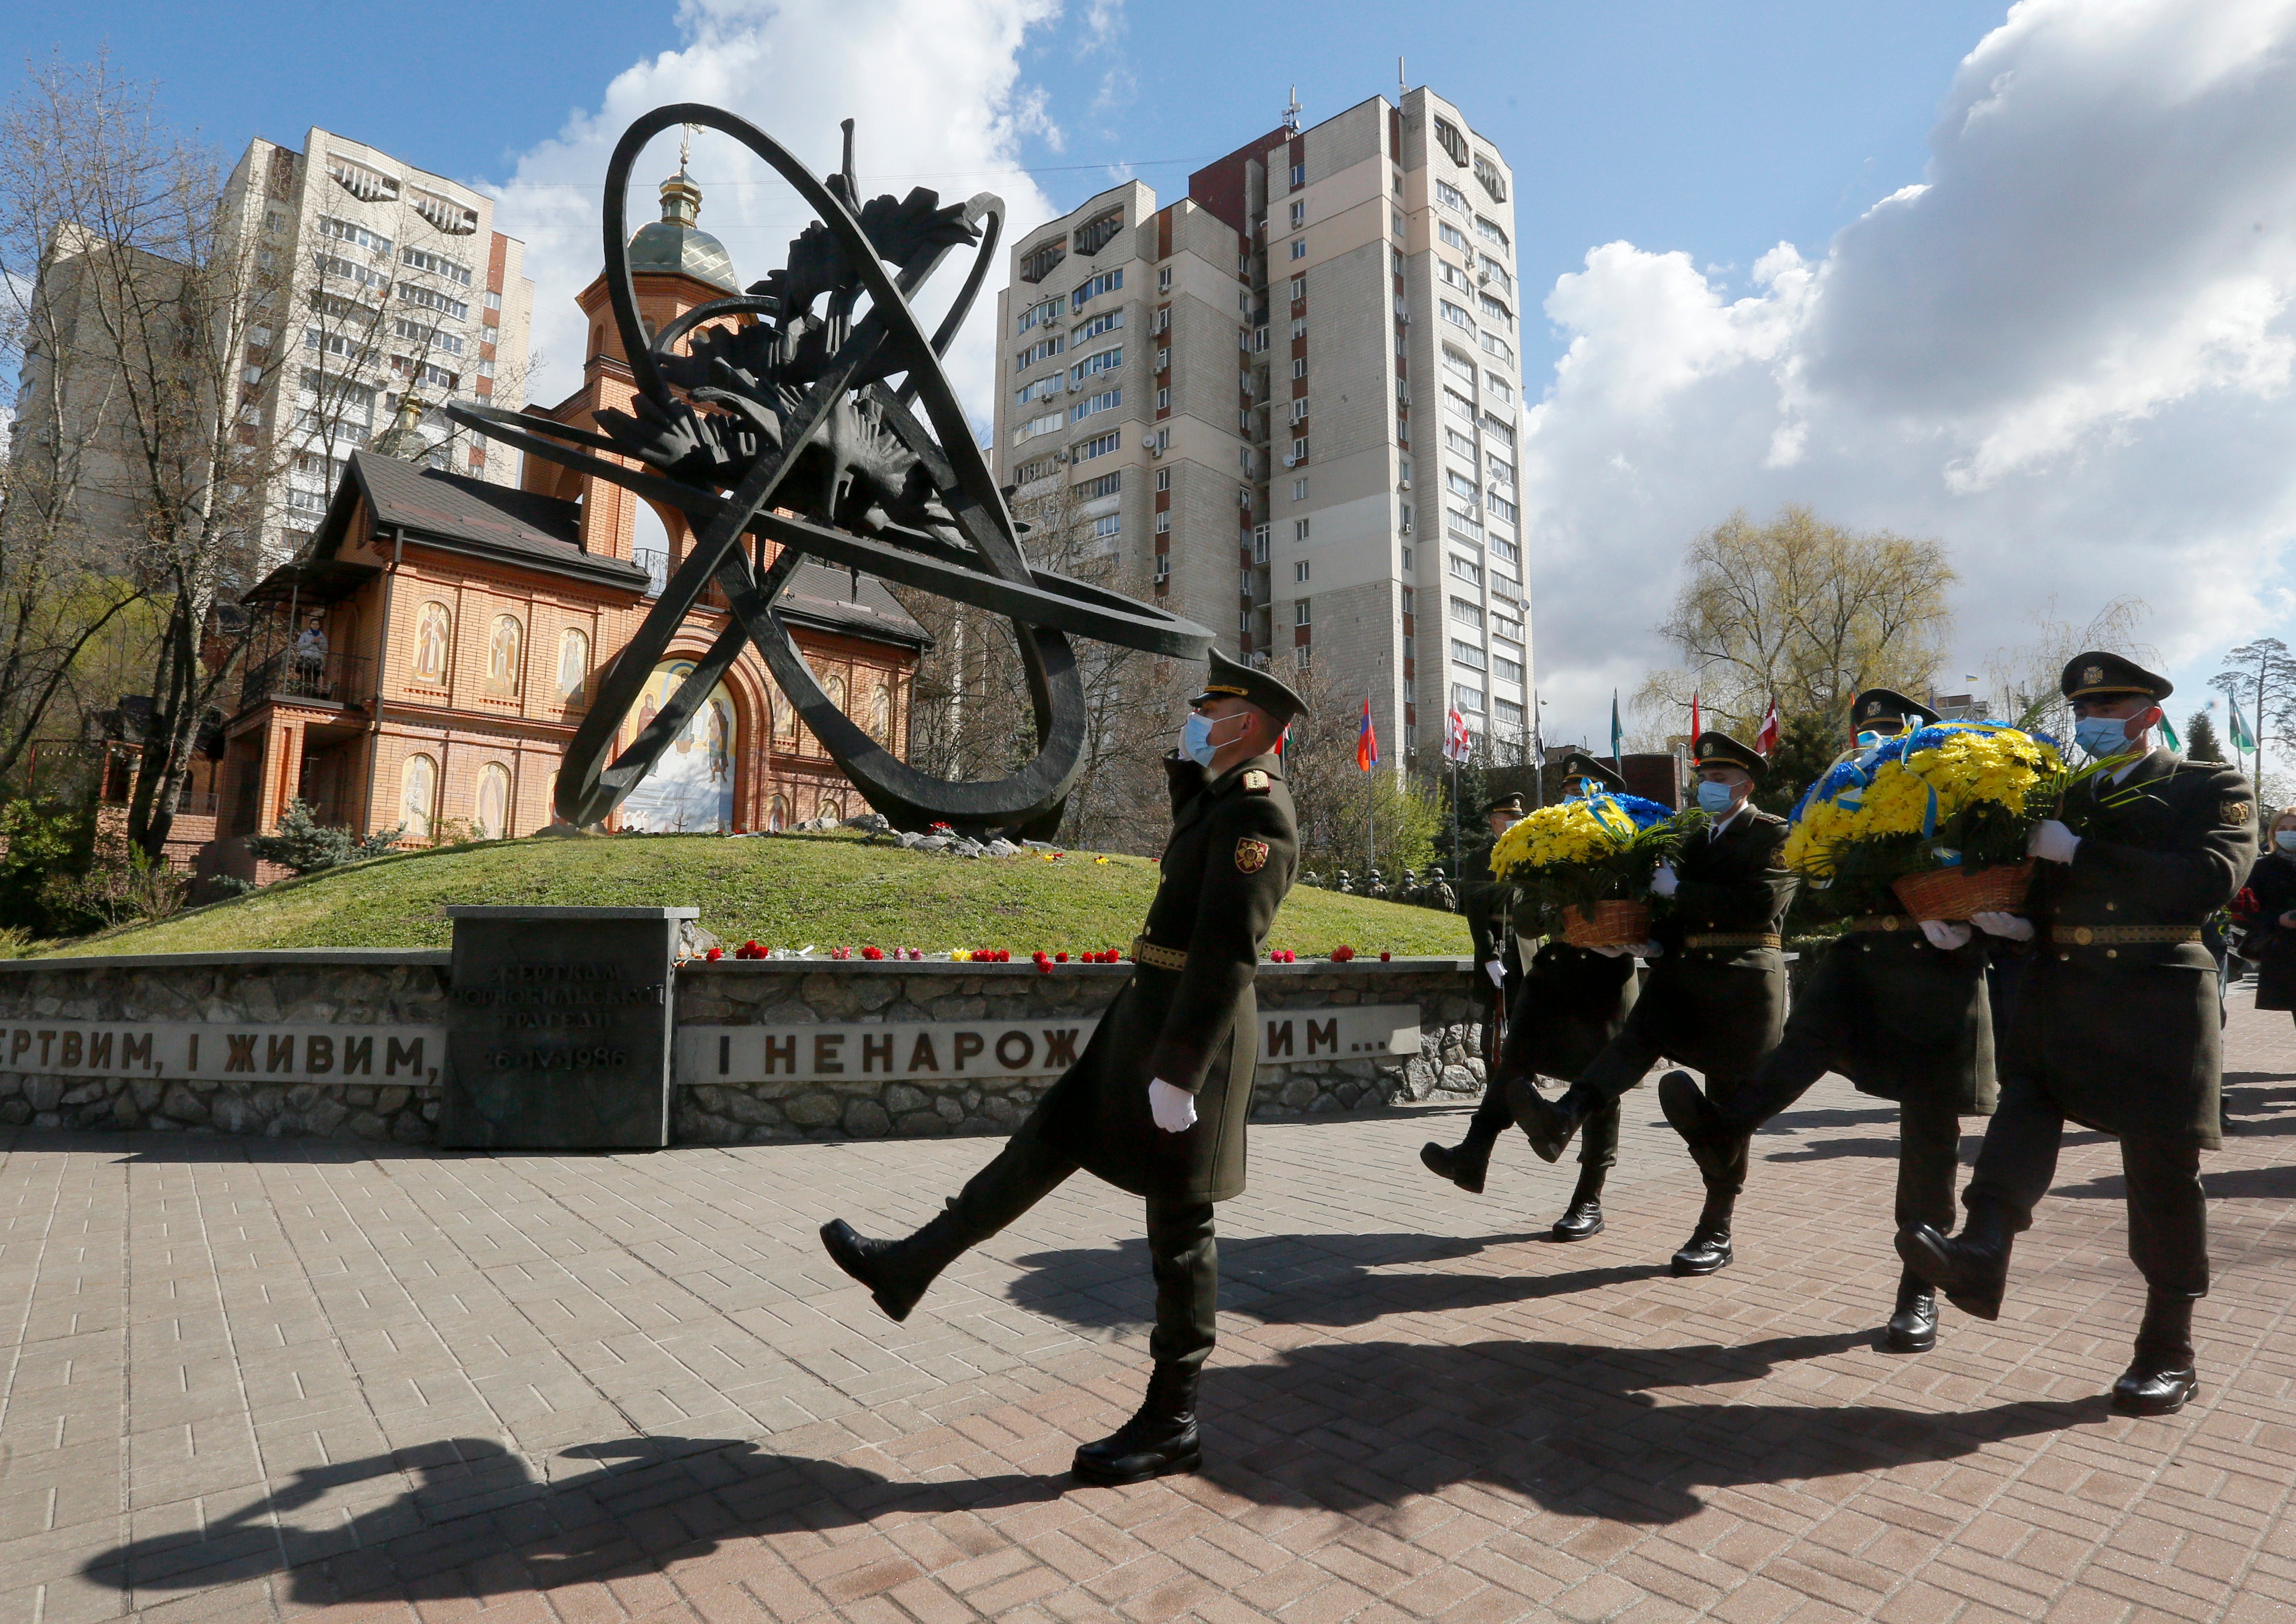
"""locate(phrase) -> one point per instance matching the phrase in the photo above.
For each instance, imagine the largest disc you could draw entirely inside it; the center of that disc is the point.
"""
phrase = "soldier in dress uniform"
(1715, 996)
(1157, 1104)
(1572, 1000)
(1896, 1005)
(2116, 1024)
(1489, 903)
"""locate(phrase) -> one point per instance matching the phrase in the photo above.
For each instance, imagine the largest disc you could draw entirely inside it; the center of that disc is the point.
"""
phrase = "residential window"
(1106, 526)
(1299, 410)
(1107, 485)
(1300, 615)
(1505, 550)
(1505, 669)
(1499, 347)
(1453, 235)
(1467, 654)
(1451, 196)
(1042, 349)
(1459, 405)
(1466, 570)
(1299, 248)
(1107, 321)
(1490, 231)
(1163, 321)
(1458, 483)
(1039, 425)
(1298, 215)
(1299, 570)
(1164, 524)
(1466, 613)
(1459, 444)
(1507, 714)
(1164, 400)
(1502, 508)
(1099, 445)
(1299, 366)
(1406, 558)
(1298, 174)
(1107, 281)
(1299, 529)
(1497, 308)
(1407, 600)
(350, 231)
(1260, 544)
(1106, 401)
(1298, 287)
(1455, 316)
(1105, 360)
(1499, 429)
(1044, 311)
(1499, 386)
(1299, 448)
(1164, 360)
(1465, 366)
(1298, 490)
(1164, 279)
(1465, 700)
(493, 299)
(1506, 628)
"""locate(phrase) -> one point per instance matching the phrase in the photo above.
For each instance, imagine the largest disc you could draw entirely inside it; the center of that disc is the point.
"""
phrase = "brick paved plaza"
(252, 1378)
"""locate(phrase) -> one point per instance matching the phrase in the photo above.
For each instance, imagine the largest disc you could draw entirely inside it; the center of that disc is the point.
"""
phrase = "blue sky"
(2022, 279)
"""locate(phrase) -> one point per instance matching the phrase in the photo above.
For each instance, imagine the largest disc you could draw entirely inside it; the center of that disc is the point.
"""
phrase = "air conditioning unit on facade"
(1154, 450)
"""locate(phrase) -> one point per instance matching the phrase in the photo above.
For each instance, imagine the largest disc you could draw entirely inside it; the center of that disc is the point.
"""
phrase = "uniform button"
(2112, 953)
(2064, 958)
(2109, 906)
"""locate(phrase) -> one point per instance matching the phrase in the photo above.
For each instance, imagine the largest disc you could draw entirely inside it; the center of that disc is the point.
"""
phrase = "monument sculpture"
(788, 417)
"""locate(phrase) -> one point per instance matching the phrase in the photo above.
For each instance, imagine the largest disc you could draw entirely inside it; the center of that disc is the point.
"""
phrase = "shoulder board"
(1255, 781)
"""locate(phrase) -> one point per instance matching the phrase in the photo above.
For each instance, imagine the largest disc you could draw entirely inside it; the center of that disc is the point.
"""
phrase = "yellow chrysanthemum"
(1924, 790)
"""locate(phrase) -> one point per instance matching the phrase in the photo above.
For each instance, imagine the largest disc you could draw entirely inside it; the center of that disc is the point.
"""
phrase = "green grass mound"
(825, 890)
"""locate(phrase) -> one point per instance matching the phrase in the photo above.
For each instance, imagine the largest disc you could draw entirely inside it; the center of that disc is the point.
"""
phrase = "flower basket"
(1956, 893)
(1611, 924)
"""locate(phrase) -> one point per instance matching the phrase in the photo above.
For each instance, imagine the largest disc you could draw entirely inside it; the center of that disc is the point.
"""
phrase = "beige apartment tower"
(395, 281)
(1289, 403)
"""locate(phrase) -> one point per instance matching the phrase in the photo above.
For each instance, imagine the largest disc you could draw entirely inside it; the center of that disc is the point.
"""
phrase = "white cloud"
(934, 86)
(2067, 352)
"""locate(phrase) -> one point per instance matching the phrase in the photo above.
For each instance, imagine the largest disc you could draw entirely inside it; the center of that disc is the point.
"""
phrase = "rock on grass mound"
(788, 890)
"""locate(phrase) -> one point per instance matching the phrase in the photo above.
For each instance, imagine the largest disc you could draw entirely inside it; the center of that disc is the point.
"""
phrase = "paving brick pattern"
(247, 1379)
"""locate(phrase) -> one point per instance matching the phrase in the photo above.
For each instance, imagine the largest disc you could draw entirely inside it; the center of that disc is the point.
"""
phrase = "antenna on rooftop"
(1291, 111)
(1402, 85)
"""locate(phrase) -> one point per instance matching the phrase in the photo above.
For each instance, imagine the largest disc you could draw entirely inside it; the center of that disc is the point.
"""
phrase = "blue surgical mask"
(1196, 739)
(2103, 738)
(2285, 839)
(1715, 800)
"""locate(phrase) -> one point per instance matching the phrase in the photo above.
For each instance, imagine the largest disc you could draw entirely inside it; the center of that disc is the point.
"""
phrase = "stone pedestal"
(558, 1028)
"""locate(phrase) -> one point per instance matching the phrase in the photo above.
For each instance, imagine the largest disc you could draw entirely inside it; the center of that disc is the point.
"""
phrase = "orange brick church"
(430, 650)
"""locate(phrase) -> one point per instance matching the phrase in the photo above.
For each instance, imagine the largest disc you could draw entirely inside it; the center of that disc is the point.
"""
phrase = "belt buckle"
(2083, 936)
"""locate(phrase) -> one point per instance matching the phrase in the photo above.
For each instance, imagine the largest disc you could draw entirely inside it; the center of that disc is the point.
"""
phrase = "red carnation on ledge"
(872, 954)
(714, 955)
(1341, 954)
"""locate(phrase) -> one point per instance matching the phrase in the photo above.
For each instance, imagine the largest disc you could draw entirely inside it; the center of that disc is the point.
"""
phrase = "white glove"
(2012, 927)
(1663, 882)
(1174, 1108)
(1609, 952)
(2052, 842)
(1945, 935)
(1649, 949)
(1496, 971)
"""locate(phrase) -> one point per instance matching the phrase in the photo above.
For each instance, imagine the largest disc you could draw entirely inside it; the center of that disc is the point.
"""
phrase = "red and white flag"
(1695, 728)
(1767, 742)
(1458, 743)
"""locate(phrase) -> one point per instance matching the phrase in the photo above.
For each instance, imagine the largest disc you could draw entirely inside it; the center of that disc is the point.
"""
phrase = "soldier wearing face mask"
(1157, 1104)
(2266, 912)
(1568, 1003)
(2116, 1024)
(1716, 995)
(1898, 1006)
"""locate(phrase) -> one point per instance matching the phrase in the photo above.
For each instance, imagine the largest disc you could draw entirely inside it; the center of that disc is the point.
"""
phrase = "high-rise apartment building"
(1289, 403)
(386, 280)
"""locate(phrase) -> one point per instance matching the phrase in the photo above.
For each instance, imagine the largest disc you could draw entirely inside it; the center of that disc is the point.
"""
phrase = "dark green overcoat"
(1231, 858)
(2123, 1036)
(2266, 943)
(1720, 1009)
(1899, 1018)
(1571, 1004)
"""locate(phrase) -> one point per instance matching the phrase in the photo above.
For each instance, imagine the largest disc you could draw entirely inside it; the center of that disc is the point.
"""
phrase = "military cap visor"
(1720, 749)
(1886, 704)
(2099, 675)
(1233, 679)
(1504, 803)
(1580, 764)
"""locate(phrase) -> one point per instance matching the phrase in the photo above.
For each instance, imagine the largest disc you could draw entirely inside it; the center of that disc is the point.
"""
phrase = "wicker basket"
(1614, 924)
(1956, 893)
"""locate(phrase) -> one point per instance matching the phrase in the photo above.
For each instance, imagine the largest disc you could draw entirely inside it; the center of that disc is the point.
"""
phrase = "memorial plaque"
(558, 1028)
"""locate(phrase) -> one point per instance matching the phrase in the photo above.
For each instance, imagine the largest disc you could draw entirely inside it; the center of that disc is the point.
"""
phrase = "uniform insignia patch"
(2236, 812)
(2091, 674)
(1255, 783)
(1250, 855)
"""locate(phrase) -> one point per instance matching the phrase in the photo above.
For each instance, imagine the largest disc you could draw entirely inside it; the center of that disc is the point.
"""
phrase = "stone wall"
(349, 989)
(772, 993)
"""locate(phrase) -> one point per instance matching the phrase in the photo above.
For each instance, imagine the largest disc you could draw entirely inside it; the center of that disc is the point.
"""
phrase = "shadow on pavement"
(2221, 1184)
(1332, 1280)
(1347, 1426)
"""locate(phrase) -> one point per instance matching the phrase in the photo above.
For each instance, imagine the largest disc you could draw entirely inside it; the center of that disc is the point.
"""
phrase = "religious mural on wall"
(689, 789)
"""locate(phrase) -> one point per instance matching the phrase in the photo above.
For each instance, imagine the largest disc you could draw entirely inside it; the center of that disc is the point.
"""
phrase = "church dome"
(674, 245)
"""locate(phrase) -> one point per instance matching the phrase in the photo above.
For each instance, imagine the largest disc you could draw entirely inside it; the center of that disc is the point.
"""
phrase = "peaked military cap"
(1578, 764)
(1234, 679)
(1504, 803)
(2098, 675)
(1880, 704)
(1715, 749)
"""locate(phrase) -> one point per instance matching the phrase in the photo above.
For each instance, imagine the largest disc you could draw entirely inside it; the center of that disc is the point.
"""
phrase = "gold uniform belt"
(1739, 938)
(1885, 922)
(1146, 952)
(2122, 936)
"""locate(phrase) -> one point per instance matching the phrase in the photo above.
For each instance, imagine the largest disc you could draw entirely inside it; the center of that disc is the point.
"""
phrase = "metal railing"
(655, 562)
(308, 674)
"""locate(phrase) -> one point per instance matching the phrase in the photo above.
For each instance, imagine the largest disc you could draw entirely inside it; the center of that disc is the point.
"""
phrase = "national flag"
(1537, 732)
(1766, 741)
(2168, 737)
(1366, 743)
(1618, 734)
(2242, 739)
(1458, 743)
(1695, 728)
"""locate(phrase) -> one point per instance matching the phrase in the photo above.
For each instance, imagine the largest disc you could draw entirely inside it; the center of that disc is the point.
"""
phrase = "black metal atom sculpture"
(796, 410)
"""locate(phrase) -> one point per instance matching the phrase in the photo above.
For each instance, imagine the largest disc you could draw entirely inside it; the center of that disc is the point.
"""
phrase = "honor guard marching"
(1571, 1003)
(1715, 996)
(2116, 1023)
(1489, 903)
(1157, 1104)
(1896, 1005)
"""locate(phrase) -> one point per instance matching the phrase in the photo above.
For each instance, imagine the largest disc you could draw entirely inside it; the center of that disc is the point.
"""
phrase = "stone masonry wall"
(356, 988)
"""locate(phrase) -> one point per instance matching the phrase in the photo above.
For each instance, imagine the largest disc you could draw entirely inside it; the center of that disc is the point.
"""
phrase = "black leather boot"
(1160, 1437)
(1547, 1124)
(1690, 1113)
(896, 1272)
(1971, 1268)
(1913, 1325)
(1584, 1217)
(1707, 1248)
(1465, 1165)
(2161, 1378)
